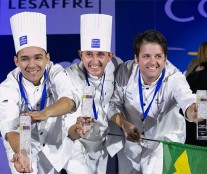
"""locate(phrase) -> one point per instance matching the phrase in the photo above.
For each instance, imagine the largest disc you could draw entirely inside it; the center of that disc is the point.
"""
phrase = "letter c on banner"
(201, 8)
(168, 11)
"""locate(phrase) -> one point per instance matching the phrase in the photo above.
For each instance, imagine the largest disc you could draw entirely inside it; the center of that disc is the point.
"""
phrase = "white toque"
(95, 32)
(29, 29)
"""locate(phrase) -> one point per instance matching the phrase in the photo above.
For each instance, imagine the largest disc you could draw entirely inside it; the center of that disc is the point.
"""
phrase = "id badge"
(202, 113)
(202, 103)
(87, 108)
(25, 137)
(202, 130)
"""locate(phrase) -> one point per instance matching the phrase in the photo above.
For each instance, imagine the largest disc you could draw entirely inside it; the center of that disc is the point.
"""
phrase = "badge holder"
(87, 109)
(201, 127)
(25, 137)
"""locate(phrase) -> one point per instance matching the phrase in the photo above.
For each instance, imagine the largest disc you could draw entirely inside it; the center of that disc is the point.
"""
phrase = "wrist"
(72, 133)
(47, 113)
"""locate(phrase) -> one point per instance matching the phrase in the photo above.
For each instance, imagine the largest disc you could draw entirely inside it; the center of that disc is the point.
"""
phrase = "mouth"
(95, 66)
(33, 72)
(152, 68)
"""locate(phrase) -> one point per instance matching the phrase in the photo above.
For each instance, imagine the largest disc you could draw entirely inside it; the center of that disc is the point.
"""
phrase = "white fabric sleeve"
(9, 110)
(121, 80)
(181, 91)
(63, 84)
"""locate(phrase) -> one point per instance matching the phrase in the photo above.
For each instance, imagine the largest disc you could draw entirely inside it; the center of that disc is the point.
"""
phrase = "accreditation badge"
(201, 127)
(201, 130)
(25, 140)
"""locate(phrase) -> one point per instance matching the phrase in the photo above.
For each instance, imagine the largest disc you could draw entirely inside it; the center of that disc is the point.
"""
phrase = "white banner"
(63, 16)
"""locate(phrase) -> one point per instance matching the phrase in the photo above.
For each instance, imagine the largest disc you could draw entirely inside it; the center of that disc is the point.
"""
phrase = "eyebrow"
(32, 56)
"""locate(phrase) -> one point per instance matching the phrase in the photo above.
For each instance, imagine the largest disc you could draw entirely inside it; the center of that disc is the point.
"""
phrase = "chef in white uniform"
(144, 104)
(96, 69)
(39, 89)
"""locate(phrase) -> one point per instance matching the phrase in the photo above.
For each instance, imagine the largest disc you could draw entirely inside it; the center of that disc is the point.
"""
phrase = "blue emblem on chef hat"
(95, 43)
(22, 40)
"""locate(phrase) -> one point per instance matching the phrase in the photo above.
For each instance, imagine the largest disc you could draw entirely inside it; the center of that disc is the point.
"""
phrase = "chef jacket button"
(41, 133)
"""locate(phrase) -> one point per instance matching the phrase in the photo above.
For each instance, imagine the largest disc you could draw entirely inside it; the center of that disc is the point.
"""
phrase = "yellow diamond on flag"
(182, 165)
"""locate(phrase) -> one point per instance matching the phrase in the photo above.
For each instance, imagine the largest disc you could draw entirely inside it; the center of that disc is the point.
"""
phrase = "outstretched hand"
(83, 124)
(22, 163)
(191, 113)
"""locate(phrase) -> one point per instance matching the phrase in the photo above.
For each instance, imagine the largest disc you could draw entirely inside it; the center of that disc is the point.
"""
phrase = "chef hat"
(95, 32)
(29, 29)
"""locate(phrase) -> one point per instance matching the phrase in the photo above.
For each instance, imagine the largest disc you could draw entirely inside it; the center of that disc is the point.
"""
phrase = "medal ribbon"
(159, 83)
(43, 98)
(95, 112)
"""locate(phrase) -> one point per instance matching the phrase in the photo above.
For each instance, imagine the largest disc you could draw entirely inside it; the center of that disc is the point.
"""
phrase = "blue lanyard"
(43, 98)
(159, 83)
(95, 112)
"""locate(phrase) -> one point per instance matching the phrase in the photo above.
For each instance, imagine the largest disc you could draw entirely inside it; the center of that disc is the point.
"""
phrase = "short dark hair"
(151, 36)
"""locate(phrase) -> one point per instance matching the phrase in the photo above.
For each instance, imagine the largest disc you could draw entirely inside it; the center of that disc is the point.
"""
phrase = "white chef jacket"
(161, 122)
(46, 135)
(95, 150)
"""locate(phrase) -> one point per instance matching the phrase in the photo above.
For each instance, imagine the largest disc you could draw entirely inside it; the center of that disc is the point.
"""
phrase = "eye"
(101, 54)
(89, 54)
(38, 57)
(158, 56)
(146, 56)
(24, 58)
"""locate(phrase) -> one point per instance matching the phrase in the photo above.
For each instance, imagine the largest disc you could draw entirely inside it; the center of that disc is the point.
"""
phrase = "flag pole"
(147, 139)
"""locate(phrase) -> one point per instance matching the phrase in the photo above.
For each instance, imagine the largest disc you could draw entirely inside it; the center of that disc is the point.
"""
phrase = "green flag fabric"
(184, 159)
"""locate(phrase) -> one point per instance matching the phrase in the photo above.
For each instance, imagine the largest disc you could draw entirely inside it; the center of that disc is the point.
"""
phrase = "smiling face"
(151, 61)
(32, 61)
(95, 61)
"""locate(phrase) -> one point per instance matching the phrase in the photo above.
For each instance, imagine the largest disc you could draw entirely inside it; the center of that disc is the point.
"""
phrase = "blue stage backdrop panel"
(184, 24)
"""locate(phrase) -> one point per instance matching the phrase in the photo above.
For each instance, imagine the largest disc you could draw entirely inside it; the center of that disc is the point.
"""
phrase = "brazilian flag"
(184, 159)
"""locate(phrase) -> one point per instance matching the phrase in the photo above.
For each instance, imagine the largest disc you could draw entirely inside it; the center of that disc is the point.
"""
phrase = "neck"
(98, 77)
(149, 81)
(36, 83)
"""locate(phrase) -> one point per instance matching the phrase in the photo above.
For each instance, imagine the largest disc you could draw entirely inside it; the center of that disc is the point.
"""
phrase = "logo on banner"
(95, 43)
(171, 15)
(23, 40)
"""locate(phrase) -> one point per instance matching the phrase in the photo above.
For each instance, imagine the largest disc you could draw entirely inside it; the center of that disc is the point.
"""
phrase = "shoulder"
(54, 70)
(172, 71)
(76, 67)
(116, 61)
(51, 67)
(10, 87)
(124, 71)
(12, 78)
(76, 70)
(126, 67)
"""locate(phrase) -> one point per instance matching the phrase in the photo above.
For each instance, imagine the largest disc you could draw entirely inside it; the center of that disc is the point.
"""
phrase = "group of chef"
(131, 101)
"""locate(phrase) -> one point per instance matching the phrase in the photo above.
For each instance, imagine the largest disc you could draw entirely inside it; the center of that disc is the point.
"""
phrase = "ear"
(48, 57)
(110, 55)
(16, 60)
(136, 60)
(80, 54)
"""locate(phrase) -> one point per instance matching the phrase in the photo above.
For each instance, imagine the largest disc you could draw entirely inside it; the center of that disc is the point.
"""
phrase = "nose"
(32, 62)
(152, 60)
(95, 58)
